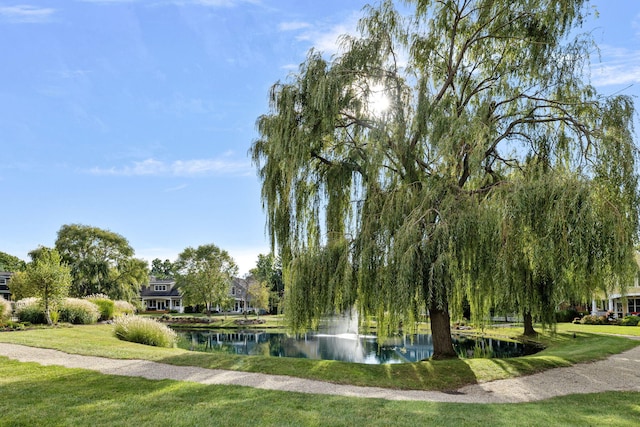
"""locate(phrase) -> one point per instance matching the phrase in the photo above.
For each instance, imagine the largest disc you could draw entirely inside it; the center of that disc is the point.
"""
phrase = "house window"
(161, 287)
(634, 305)
(233, 291)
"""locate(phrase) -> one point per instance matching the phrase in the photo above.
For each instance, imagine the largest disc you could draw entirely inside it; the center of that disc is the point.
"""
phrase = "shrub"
(144, 331)
(79, 311)
(566, 315)
(123, 307)
(594, 320)
(5, 310)
(630, 321)
(30, 310)
(106, 306)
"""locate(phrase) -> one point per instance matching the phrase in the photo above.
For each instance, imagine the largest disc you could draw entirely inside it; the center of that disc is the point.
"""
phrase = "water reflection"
(346, 347)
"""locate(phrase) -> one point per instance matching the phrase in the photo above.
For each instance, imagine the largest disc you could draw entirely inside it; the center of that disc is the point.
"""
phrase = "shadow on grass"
(427, 375)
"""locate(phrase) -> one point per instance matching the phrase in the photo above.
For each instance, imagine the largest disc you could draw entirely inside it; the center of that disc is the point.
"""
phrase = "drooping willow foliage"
(444, 196)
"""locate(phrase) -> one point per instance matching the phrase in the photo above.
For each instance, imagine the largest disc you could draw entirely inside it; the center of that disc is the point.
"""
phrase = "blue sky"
(136, 116)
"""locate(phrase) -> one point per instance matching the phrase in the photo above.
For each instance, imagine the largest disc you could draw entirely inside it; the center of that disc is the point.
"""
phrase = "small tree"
(46, 278)
(258, 294)
(204, 275)
(269, 270)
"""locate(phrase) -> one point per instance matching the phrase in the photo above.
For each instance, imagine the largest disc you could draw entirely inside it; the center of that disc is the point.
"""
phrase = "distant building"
(163, 295)
(617, 304)
(5, 276)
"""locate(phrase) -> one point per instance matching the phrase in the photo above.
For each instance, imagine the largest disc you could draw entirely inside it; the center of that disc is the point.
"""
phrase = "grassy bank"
(55, 396)
(563, 348)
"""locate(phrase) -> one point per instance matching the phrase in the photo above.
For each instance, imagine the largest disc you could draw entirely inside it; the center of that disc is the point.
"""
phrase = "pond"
(347, 347)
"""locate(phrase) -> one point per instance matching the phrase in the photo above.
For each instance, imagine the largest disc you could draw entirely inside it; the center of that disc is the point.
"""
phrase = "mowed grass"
(35, 395)
(54, 396)
(563, 349)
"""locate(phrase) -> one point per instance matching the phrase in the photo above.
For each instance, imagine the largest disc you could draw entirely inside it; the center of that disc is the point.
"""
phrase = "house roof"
(150, 291)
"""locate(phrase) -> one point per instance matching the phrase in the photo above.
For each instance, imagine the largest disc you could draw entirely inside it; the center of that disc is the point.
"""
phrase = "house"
(5, 276)
(240, 294)
(618, 304)
(161, 295)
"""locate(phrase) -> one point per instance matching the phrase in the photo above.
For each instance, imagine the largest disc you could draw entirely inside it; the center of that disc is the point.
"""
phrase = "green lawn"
(55, 396)
(562, 350)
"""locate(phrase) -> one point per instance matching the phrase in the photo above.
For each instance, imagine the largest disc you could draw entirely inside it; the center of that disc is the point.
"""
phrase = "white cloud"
(619, 66)
(176, 188)
(107, 1)
(184, 168)
(246, 258)
(26, 14)
(325, 38)
(293, 26)
(213, 3)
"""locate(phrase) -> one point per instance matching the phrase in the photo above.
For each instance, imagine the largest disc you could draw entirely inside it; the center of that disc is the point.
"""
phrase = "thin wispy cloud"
(26, 14)
(619, 66)
(293, 26)
(180, 168)
(325, 38)
(108, 1)
(176, 188)
(213, 3)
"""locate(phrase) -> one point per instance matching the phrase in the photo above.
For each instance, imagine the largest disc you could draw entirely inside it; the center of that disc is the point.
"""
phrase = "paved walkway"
(618, 372)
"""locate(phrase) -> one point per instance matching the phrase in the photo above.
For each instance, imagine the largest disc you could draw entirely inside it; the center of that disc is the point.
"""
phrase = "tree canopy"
(402, 210)
(162, 269)
(204, 275)
(11, 263)
(101, 261)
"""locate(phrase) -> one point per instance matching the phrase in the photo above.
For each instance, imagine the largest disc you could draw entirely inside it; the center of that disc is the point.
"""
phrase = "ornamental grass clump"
(79, 311)
(123, 307)
(5, 311)
(30, 310)
(104, 303)
(144, 330)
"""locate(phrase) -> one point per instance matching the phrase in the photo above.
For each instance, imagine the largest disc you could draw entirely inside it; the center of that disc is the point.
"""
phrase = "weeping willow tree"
(561, 241)
(382, 168)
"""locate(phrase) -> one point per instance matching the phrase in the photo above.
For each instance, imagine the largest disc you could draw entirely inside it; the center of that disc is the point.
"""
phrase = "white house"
(161, 295)
(616, 303)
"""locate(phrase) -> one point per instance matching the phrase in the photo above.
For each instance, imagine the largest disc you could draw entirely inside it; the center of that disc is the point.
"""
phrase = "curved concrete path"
(618, 372)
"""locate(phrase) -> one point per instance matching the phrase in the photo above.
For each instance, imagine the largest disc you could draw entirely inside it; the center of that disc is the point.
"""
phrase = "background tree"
(559, 243)
(20, 286)
(45, 277)
(269, 270)
(393, 209)
(11, 263)
(258, 295)
(162, 269)
(101, 261)
(204, 275)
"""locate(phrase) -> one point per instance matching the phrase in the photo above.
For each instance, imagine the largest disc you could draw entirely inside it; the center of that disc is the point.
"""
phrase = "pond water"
(348, 347)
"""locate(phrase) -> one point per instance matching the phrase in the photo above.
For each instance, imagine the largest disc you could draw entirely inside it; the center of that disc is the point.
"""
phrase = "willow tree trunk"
(528, 325)
(441, 332)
